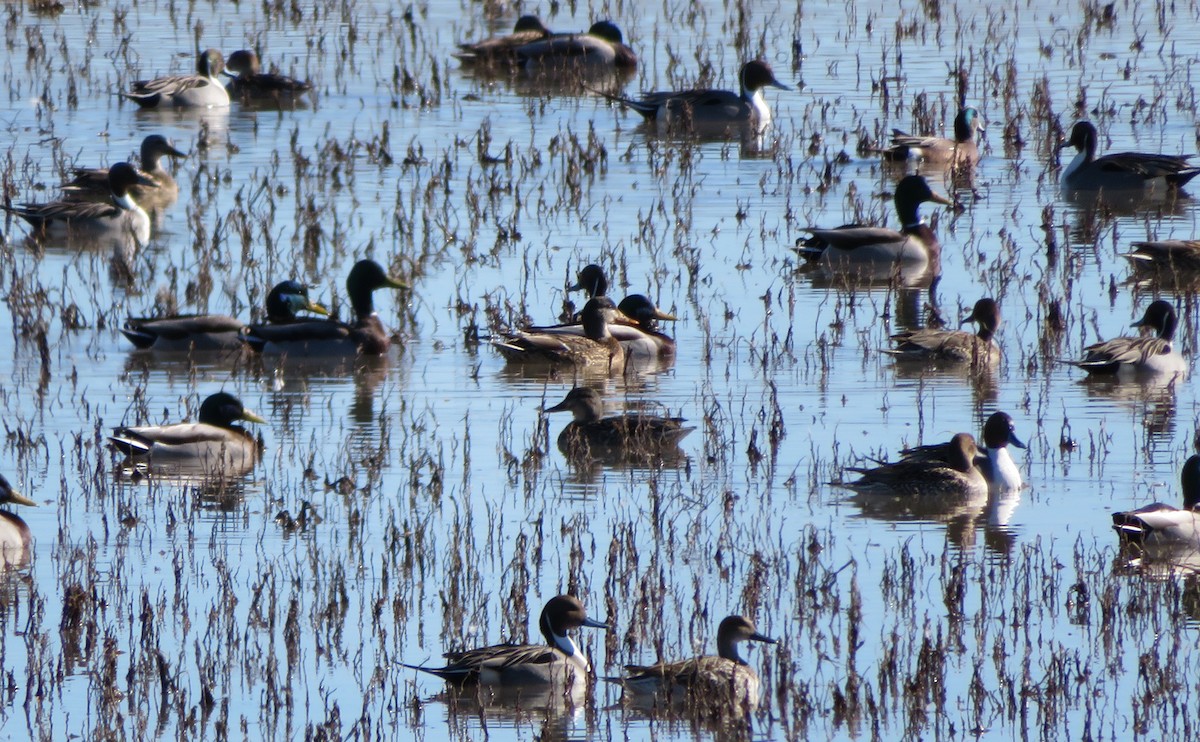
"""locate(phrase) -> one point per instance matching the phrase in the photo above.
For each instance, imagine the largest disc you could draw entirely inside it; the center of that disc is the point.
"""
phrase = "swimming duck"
(1162, 525)
(213, 444)
(724, 683)
(15, 536)
(250, 83)
(91, 184)
(705, 110)
(216, 332)
(957, 476)
(589, 432)
(1139, 355)
(954, 346)
(848, 248)
(333, 338)
(603, 46)
(502, 50)
(997, 465)
(557, 662)
(122, 218)
(961, 151)
(1120, 171)
(596, 350)
(1171, 256)
(201, 90)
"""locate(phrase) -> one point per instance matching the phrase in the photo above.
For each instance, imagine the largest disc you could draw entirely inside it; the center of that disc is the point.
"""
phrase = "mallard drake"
(215, 332)
(502, 50)
(711, 111)
(961, 151)
(557, 662)
(1148, 354)
(333, 338)
(121, 219)
(15, 536)
(201, 90)
(1171, 256)
(850, 248)
(590, 432)
(250, 84)
(597, 349)
(1120, 171)
(997, 465)
(603, 46)
(956, 476)
(1161, 525)
(724, 684)
(212, 445)
(954, 346)
(91, 184)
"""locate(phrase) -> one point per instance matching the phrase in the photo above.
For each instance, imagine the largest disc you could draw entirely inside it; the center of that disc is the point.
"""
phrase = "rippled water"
(447, 515)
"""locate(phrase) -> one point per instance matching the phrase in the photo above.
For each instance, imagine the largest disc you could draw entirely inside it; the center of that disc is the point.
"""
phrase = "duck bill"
(1013, 440)
(316, 308)
(174, 152)
(938, 198)
(757, 637)
(250, 417)
(396, 283)
(663, 316)
(19, 499)
(591, 623)
(560, 407)
(779, 85)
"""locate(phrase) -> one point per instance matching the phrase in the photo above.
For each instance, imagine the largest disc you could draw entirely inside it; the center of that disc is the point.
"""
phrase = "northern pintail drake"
(213, 444)
(961, 151)
(725, 684)
(706, 110)
(200, 90)
(602, 47)
(121, 219)
(1165, 526)
(557, 662)
(996, 463)
(956, 476)
(502, 50)
(596, 350)
(590, 432)
(250, 84)
(848, 248)
(15, 536)
(216, 332)
(91, 184)
(333, 338)
(954, 346)
(1166, 256)
(1121, 171)
(1145, 355)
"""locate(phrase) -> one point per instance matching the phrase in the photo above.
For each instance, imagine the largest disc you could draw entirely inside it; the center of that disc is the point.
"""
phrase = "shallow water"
(448, 516)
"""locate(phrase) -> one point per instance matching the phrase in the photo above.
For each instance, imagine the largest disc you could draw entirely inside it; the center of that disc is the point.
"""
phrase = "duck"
(955, 477)
(216, 332)
(724, 683)
(1168, 256)
(121, 219)
(596, 350)
(1165, 526)
(502, 50)
(642, 339)
(961, 151)
(1120, 171)
(853, 247)
(706, 110)
(954, 346)
(1145, 355)
(602, 47)
(213, 444)
(200, 90)
(91, 184)
(250, 84)
(994, 460)
(15, 536)
(557, 662)
(366, 336)
(590, 432)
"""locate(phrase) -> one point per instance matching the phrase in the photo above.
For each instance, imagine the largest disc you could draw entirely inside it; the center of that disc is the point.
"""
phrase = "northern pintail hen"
(121, 219)
(15, 536)
(596, 350)
(961, 151)
(956, 476)
(711, 111)
(1173, 256)
(634, 434)
(954, 346)
(557, 662)
(216, 332)
(851, 248)
(1120, 171)
(502, 50)
(200, 90)
(602, 47)
(994, 460)
(91, 184)
(1161, 525)
(213, 444)
(1145, 355)
(250, 84)
(725, 684)
(333, 338)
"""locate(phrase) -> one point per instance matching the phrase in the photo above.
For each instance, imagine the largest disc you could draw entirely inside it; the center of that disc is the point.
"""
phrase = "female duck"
(121, 219)
(15, 536)
(1122, 171)
(557, 662)
(201, 90)
(251, 84)
(215, 332)
(997, 465)
(596, 350)
(213, 445)
(332, 338)
(954, 346)
(631, 434)
(1148, 355)
(602, 47)
(957, 476)
(1165, 526)
(959, 152)
(91, 184)
(502, 50)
